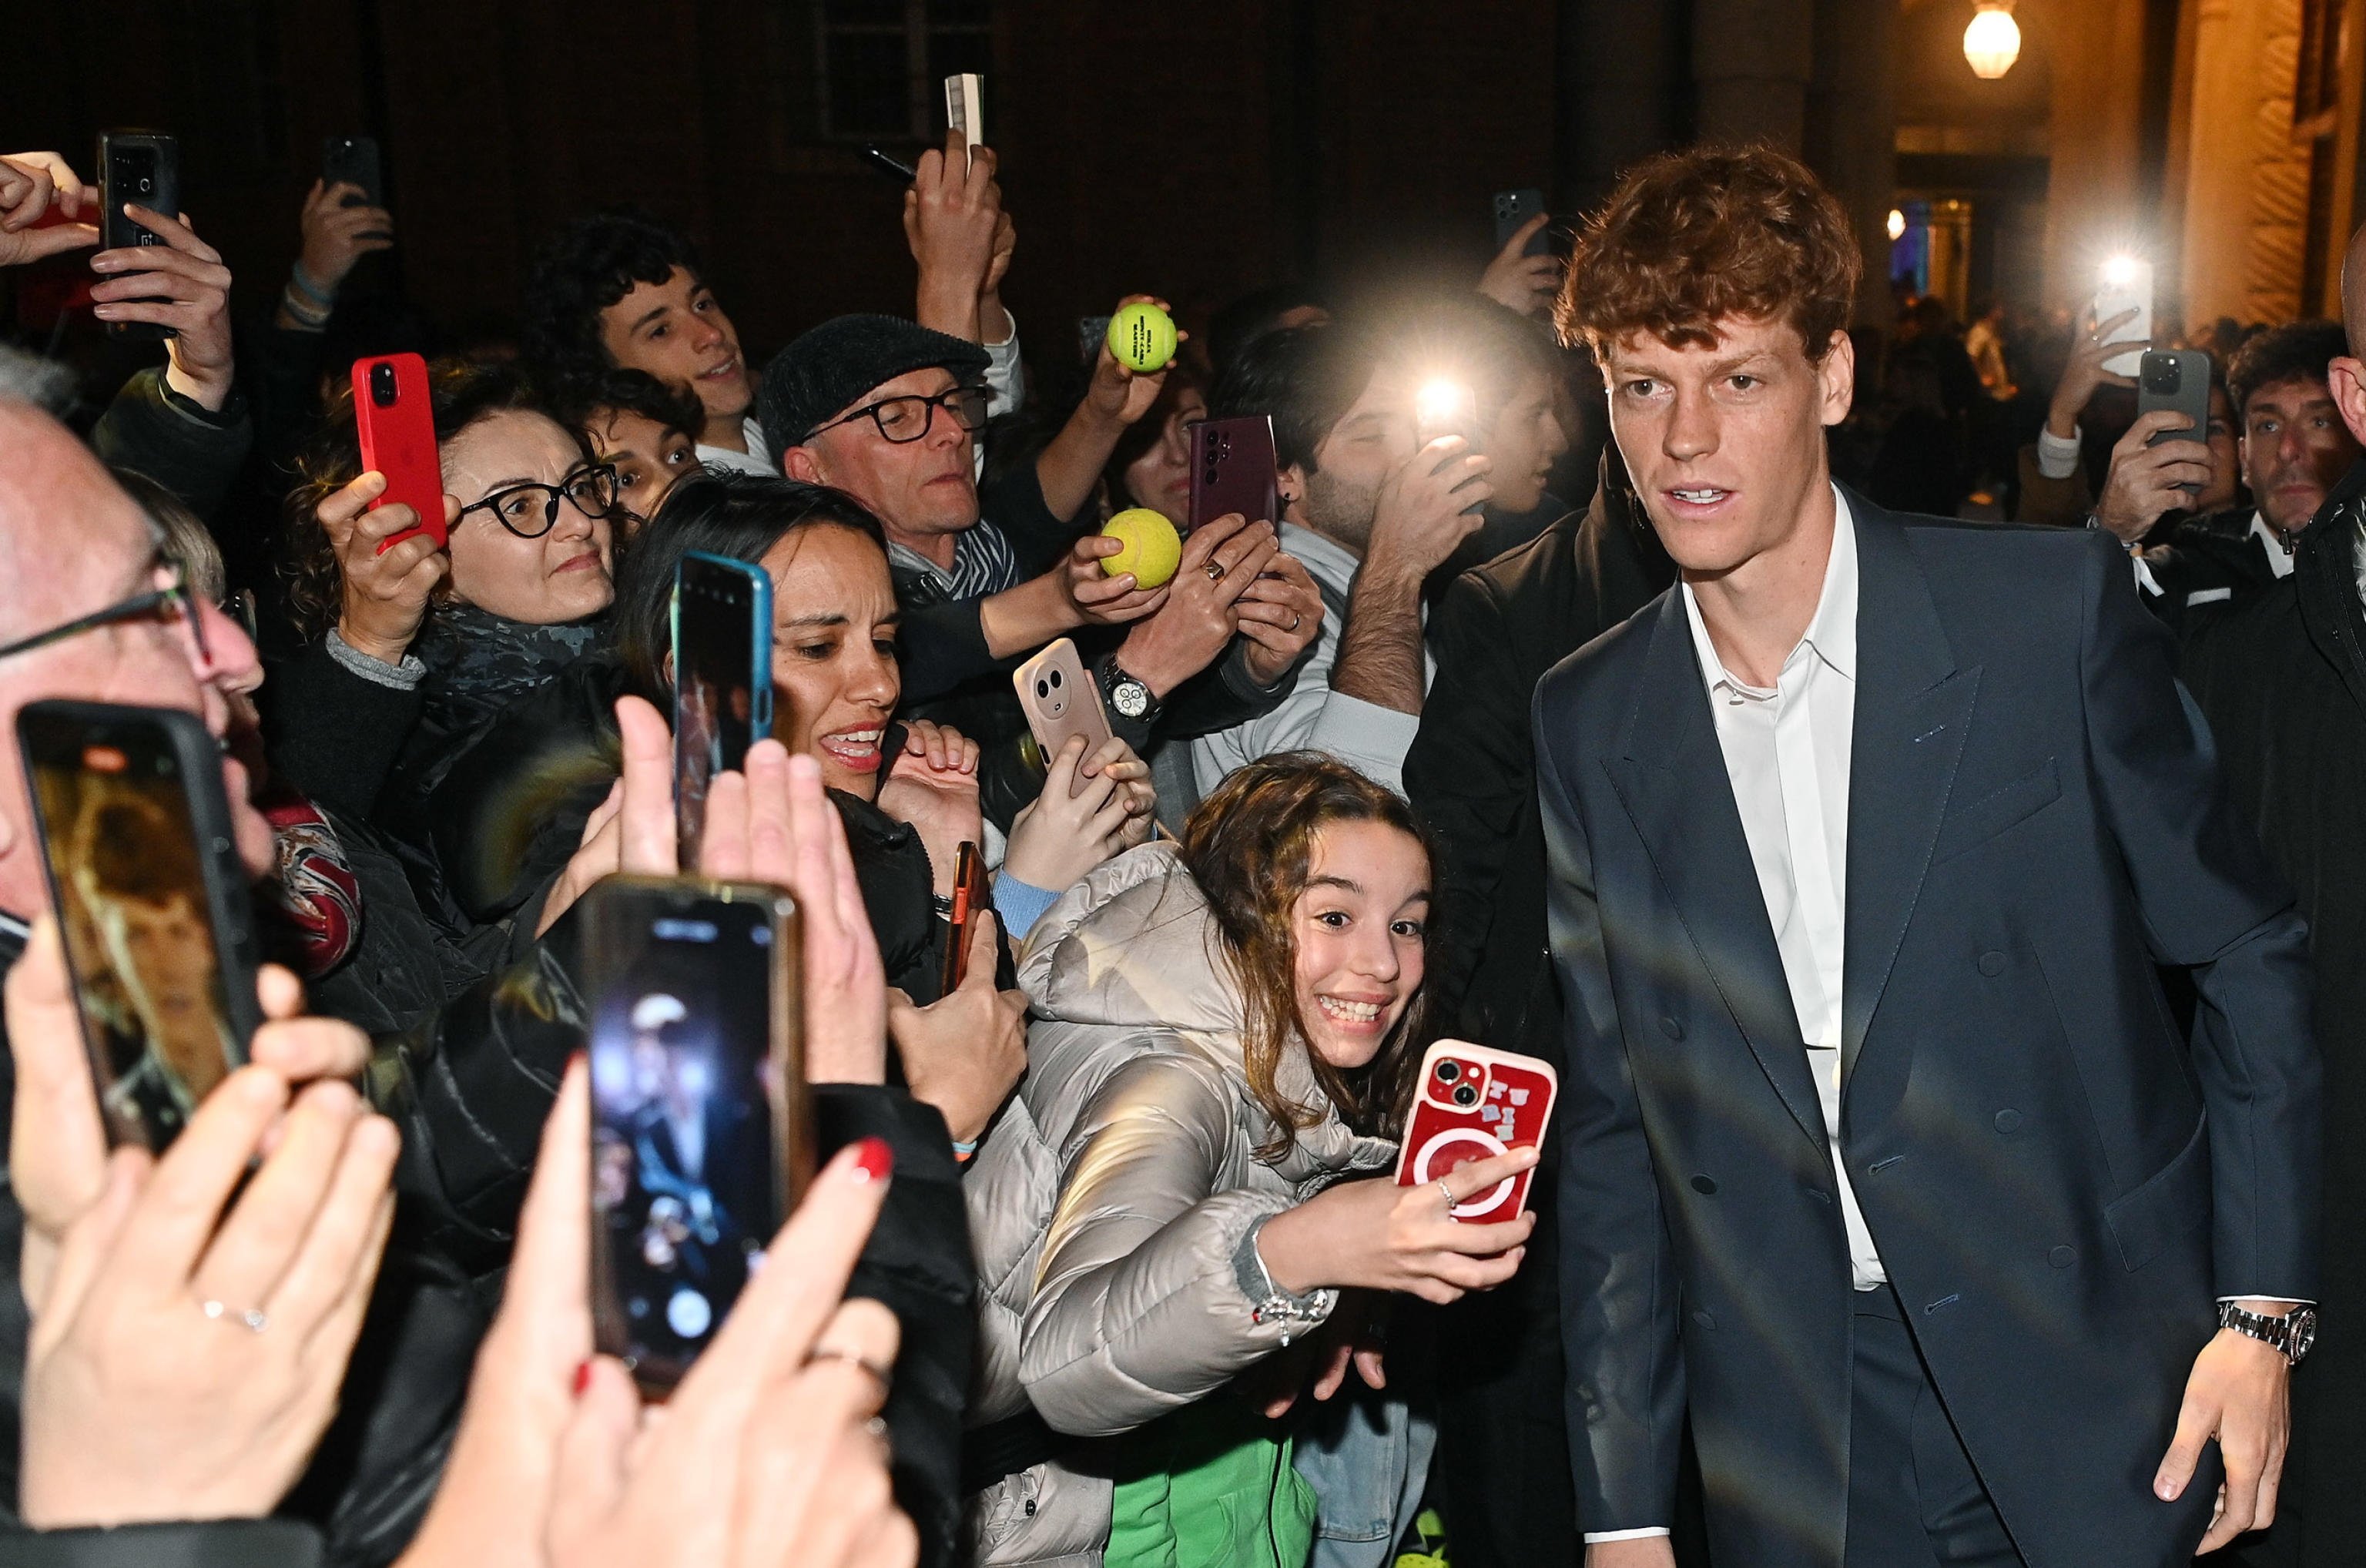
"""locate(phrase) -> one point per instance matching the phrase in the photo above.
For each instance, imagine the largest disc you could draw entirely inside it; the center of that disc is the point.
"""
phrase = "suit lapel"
(1913, 711)
(1670, 777)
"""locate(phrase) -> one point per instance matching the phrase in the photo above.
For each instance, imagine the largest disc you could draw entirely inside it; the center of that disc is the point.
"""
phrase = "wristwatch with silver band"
(1123, 695)
(2292, 1333)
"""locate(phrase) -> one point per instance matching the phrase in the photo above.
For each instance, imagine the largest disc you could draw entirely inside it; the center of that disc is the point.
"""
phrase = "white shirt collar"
(1831, 634)
(2277, 562)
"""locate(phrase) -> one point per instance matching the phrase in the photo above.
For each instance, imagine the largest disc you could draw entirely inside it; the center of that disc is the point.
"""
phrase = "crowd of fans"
(1103, 1242)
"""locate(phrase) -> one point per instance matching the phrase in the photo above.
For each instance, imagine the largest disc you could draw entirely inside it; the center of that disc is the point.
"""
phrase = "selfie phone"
(136, 166)
(396, 421)
(1473, 1103)
(353, 161)
(895, 168)
(1513, 207)
(2125, 284)
(1233, 469)
(2176, 379)
(152, 902)
(722, 678)
(966, 107)
(1446, 407)
(702, 1126)
(970, 899)
(1060, 700)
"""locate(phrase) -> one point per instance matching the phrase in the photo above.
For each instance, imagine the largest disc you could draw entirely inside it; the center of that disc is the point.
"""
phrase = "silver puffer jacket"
(1109, 1206)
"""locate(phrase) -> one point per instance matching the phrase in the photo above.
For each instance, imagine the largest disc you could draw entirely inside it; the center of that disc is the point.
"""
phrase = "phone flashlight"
(2119, 271)
(1444, 407)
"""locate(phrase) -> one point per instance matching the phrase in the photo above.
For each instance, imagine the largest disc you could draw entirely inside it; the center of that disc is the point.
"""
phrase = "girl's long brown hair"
(1248, 846)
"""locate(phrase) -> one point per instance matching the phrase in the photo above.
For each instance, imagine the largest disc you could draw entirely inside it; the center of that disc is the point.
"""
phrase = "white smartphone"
(965, 106)
(2125, 284)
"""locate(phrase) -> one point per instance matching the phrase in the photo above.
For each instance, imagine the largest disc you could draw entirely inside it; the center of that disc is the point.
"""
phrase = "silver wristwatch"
(2292, 1333)
(1126, 696)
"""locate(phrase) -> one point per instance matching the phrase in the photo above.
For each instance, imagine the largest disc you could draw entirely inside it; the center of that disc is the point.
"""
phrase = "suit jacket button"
(1671, 1028)
(1992, 965)
(1703, 1184)
(2008, 1120)
(2063, 1257)
(1705, 1320)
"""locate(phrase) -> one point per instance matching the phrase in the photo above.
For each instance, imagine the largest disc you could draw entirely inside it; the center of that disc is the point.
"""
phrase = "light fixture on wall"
(1897, 224)
(1992, 42)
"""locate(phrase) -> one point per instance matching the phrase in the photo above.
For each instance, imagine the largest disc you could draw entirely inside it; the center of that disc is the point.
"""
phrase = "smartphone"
(893, 167)
(395, 419)
(1060, 700)
(966, 107)
(153, 903)
(2176, 379)
(136, 166)
(353, 161)
(722, 678)
(1473, 1103)
(1447, 407)
(1233, 469)
(701, 1127)
(970, 899)
(1513, 207)
(2125, 284)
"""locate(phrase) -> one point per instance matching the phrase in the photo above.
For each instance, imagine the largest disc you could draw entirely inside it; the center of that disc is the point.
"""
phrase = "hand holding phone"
(1470, 1104)
(2177, 380)
(141, 168)
(395, 418)
(44, 209)
(1060, 700)
(1233, 470)
(965, 108)
(345, 219)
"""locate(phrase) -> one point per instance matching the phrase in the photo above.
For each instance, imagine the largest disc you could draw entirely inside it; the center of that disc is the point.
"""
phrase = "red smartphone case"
(397, 434)
(1473, 1103)
(1233, 470)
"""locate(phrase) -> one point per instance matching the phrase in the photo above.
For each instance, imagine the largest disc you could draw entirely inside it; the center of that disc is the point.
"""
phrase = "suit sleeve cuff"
(1593, 1536)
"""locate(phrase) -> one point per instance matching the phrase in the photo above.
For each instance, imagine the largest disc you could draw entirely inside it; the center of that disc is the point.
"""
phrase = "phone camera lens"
(1448, 1071)
(1043, 688)
(382, 385)
(146, 184)
(1055, 679)
(1465, 1095)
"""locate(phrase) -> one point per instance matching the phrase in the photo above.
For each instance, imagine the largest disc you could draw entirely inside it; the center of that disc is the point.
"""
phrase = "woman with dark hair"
(1226, 1034)
(1152, 463)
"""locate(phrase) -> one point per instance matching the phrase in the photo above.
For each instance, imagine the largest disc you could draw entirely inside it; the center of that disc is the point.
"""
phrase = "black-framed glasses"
(908, 419)
(592, 488)
(171, 602)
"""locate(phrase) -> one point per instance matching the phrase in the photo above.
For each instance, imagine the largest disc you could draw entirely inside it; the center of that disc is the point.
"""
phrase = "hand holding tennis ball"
(1152, 551)
(1141, 338)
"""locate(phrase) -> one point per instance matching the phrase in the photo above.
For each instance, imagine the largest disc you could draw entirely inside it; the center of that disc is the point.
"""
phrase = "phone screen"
(722, 679)
(688, 1178)
(127, 868)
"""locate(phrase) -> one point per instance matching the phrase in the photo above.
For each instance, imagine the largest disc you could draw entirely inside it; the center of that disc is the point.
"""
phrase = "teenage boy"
(645, 429)
(1882, 1160)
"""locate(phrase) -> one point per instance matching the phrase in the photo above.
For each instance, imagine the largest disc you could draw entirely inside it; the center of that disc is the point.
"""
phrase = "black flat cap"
(835, 363)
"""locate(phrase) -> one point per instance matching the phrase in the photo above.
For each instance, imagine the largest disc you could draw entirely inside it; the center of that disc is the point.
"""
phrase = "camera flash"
(2119, 271)
(1439, 401)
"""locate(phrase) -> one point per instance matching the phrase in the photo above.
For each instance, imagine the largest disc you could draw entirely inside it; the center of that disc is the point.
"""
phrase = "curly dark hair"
(576, 399)
(2285, 353)
(1305, 378)
(1250, 846)
(737, 516)
(584, 268)
(460, 392)
(1691, 237)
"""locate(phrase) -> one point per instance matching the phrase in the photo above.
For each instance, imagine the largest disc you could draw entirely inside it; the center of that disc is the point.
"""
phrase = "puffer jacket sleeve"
(1139, 1308)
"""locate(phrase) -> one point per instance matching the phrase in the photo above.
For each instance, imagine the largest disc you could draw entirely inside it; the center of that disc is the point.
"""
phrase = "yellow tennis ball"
(1142, 336)
(1153, 549)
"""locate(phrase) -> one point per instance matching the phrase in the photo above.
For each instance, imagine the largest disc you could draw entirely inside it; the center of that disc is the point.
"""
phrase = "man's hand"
(953, 217)
(1280, 615)
(337, 236)
(1523, 283)
(1195, 626)
(1643, 1551)
(1428, 508)
(2085, 372)
(181, 284)
(964, 1053)
(2240, 1393)
(2144, 480)
(33, 186)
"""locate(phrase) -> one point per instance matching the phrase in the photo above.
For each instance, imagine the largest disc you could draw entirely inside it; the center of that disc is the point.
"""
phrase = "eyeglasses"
(592, 489)
(908, 419)
(167, 603)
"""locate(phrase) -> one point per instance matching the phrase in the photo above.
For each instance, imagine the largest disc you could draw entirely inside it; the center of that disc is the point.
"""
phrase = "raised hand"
(181, 284)
(385, 587)
(337, 236)
(1520, 282)
(1381, 1236)
(35, 187)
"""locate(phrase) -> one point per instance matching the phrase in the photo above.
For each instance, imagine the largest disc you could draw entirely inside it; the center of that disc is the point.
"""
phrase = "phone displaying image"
(2176, 379)
(395, 418)
(702, 1131)
(722, 678)
(1473, 1103)
(1060, 700)
(143, 167)
(1513, 207)
(1233, 469)
(970, 899)
(353, 161)
(2125, 284)
(152, 902)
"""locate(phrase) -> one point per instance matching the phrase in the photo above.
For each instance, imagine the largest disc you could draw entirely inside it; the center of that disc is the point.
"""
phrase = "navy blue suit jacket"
(2059, 1184)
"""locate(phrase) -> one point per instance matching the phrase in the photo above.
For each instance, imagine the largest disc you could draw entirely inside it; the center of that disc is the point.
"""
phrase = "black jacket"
(2283, 685)
(2206, 567)
(190, 450)
(2059, 1184)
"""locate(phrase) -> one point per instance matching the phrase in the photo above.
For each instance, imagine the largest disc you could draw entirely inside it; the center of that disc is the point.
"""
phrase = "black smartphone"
(893, 167)
(2176, 379)
(701, 1127)
(722, 679)
(136, 166)
(153, 903)
(353, 161)
(1233, 469)
(1513, 207)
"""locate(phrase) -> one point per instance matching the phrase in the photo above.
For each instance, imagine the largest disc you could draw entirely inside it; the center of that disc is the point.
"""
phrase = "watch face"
(2303, 1332)
(1131, 698)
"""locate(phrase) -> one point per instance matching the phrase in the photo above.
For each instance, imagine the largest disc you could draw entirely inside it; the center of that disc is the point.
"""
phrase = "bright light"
(2119, 271)
(1897, 224)
(1993, 41)
(1441, 401)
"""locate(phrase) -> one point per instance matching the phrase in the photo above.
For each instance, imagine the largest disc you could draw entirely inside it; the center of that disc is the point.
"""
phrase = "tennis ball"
(1142, 336)
(1153, 549)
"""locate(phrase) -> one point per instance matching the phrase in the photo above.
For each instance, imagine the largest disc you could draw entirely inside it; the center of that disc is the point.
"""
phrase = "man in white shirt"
(1884, 1167)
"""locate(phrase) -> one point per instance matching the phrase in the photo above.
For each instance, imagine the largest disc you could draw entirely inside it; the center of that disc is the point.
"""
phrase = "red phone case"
(399, 441)
(1233, 470)
(1471, 1104)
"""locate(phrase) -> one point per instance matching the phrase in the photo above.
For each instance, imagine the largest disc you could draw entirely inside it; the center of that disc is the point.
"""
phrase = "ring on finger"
(1294, 618)
(879, 1374)
(1448, 1193)
(252, 1318)
(1215, 570)
(876, 1427)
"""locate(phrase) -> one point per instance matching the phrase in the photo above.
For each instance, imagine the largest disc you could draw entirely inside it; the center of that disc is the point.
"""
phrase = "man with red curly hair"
(1884, 1163)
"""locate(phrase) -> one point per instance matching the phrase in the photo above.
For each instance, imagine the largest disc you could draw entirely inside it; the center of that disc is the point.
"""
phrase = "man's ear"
(1837, 375)
(802, 463)
(1289, 483)
(2347, 377)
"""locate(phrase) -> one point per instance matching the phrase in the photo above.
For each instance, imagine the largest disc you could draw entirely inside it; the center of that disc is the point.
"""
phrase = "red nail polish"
(582, 1378)
(874, 1160)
